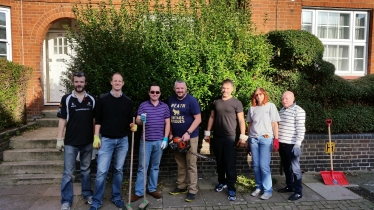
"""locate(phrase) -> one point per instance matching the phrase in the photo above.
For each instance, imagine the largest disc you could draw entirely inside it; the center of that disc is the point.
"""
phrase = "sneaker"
(190, 197)
(232, 195)
(266, 196)
(295, 196)
(65, 206)
(220, 187)
(119, 203)
(88, 200)
(256, 192)
(178, 191)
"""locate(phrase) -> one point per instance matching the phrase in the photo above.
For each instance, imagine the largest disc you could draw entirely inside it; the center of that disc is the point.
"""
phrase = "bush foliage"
(14, 78)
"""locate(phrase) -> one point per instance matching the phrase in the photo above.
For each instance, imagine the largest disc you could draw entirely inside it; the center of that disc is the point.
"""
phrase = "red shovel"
(333, 177)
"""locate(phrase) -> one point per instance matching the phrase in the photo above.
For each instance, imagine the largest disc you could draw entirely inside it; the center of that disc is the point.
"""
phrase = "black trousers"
(291, 167)
(224, 149)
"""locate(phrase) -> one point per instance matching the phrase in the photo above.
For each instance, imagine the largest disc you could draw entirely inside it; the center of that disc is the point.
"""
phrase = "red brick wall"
(38, 16)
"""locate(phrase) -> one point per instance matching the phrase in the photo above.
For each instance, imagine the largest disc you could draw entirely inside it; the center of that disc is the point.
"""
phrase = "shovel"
(128, 206)
(145, 203)
(333, 177)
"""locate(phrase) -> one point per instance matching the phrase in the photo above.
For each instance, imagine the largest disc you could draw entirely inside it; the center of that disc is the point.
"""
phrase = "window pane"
(358, 65)
(333, 19)
(307, 28)
(333, 32)
(306, 18)
(344, 20)
(2, 19)
(322, 18)
(360, 34)
(2, 32)
(3, 49)
(360, 20)
(359, 51)
(342, 65)
(322, 32)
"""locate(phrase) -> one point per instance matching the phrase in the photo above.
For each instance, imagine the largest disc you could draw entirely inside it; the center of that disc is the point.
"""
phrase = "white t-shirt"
(261, 118)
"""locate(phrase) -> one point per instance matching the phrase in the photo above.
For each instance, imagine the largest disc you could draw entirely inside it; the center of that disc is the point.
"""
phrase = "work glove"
(296, 150)
(60, 144)
(207, 136)
(133, 127)
(164, 143)
(275, 145)
(97, 142)
(143, 117)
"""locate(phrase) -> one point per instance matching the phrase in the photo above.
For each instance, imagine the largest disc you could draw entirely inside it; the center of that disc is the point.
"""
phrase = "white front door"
(58, 52)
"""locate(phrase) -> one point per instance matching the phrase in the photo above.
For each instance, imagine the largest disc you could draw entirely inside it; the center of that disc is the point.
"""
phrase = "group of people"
(106, 123)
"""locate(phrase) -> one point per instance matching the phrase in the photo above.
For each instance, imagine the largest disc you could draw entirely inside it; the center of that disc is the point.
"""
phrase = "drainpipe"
(22, 52)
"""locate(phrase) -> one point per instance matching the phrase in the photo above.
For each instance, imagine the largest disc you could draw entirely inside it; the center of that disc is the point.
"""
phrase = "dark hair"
(154, 84)
(228, 81)
(78, 74)
(254, 100)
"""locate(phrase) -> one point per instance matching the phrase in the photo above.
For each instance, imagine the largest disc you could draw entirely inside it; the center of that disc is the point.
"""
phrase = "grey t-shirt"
(261, 118)
(225, 116)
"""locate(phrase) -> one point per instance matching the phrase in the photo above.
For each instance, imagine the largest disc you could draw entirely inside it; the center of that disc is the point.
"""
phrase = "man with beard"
(77, 112)
(185, 119)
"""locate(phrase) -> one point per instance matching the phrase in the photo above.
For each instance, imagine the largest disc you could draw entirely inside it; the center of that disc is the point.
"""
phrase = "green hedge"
(13, 88)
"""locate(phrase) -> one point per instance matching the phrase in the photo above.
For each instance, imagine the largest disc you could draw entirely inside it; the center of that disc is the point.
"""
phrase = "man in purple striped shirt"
(156, 116)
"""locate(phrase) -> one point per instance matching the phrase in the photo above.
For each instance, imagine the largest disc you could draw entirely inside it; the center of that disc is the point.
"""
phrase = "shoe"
(220, 187)
(119, 203)
(65, 206)
(286, 189)
(295, 196)
(190, 197)
(266, 196)
(177, 191)
(256, 192)
(88, 200)
(135, 197)
(232, 195)
(155, 194)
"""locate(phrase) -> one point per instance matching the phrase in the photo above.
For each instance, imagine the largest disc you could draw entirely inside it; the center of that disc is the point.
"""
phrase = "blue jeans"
(153, 154)
(70, 155)
(261, 153)
(118, 149)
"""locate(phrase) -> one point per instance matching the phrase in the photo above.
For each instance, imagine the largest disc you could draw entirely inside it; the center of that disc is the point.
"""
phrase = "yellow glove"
(97, 142)
(133, 127)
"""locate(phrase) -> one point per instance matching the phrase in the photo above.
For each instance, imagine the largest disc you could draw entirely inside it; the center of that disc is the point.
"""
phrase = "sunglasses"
(78, 74)
(154, 92)
(259, 94)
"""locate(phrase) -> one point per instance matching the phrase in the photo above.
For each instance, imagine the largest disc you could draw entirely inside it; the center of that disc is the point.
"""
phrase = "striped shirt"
(292, 125)
(155, 121)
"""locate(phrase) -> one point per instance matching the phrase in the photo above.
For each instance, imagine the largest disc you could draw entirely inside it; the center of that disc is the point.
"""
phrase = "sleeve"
(239, 107)
(99, 111)
(249, 116)
(140, 110)
(167, 112)
(274, 113)
(300, 125)
(62, 112)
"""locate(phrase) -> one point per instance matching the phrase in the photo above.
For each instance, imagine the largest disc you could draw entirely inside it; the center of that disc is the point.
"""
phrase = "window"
(344, 36)
(5, 34)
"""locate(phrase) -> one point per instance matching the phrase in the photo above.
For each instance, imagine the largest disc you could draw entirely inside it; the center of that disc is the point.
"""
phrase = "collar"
(73, 94)
(290, 107)
(159, 103)
(111, 93)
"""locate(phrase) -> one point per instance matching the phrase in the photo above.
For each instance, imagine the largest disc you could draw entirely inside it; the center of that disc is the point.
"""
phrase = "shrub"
(14, 78)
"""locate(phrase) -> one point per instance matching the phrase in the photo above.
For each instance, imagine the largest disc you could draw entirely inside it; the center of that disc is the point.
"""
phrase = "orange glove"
(133, 127)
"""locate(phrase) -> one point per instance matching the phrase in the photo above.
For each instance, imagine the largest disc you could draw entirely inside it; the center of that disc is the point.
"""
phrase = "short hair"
(179, 81)
(154, 84)
(254, 100)
(116, 73)
(228, 81)
(78, 74)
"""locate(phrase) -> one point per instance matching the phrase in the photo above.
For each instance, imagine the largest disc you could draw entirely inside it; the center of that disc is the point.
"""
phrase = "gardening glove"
(97, 142)
(296, 150)
(133, 127)
(275, 145)
(164, 143)
(143, 117)
(60, 144)
(207, 136)
(248, 149)
(242, 140)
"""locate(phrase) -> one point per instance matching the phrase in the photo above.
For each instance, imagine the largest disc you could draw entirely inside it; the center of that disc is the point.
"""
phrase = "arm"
(242, 138)
(249, 127)
(167, 127)
(138, 121)
(193, 126)
(300, 126)
(210, 121)
(61, 127)
(274, 126)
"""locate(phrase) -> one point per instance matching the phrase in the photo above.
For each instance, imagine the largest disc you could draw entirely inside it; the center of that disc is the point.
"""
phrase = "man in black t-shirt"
(225, 112)
(77, 112)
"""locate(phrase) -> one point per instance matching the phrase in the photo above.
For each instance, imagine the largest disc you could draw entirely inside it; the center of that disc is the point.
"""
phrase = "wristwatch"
(189, 133)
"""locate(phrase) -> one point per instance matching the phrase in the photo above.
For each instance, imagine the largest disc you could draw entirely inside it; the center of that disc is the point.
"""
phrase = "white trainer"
(256, 192)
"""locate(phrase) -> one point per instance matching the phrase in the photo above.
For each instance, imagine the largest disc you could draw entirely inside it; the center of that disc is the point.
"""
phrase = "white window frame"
(8, 29)
(351, 42)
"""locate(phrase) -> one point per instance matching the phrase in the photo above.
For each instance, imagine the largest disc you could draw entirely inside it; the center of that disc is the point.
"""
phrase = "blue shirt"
(155, 123)
(182, 114)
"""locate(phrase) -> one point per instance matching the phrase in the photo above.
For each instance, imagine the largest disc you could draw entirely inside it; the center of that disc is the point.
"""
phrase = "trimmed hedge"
(14, 78)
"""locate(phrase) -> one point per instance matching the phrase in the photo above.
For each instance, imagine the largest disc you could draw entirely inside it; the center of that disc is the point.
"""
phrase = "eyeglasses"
(79, 74)
(154, 92)
(259, 94)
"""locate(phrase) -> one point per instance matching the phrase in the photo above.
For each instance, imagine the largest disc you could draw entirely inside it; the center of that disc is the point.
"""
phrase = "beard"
(78, 89)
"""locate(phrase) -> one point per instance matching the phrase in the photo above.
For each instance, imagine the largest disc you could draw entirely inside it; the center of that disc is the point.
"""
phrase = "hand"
(276, 145)
(143, 117)
(296, 150)
(133, 127)
(242, 140)
(248, 149)
(60, 144)
(164, 143)
(97, 142)
(186, 137)
(207, 139)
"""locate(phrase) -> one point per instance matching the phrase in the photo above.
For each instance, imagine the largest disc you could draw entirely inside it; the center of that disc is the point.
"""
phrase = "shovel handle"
(328, 121)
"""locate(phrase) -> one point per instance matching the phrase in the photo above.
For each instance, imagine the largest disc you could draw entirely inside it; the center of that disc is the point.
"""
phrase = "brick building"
(32, 33)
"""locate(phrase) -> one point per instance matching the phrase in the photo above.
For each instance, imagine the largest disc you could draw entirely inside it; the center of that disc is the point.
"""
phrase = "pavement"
(316, 195)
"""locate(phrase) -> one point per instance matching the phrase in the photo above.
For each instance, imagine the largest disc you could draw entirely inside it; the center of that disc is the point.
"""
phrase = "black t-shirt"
(114, 115)
(79, 117)
(225, 116)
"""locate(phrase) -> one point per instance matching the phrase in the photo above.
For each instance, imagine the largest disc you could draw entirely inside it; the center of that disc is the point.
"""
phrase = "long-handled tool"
(333, 177)
(144, 204)
(128, 207)
(178, 144)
